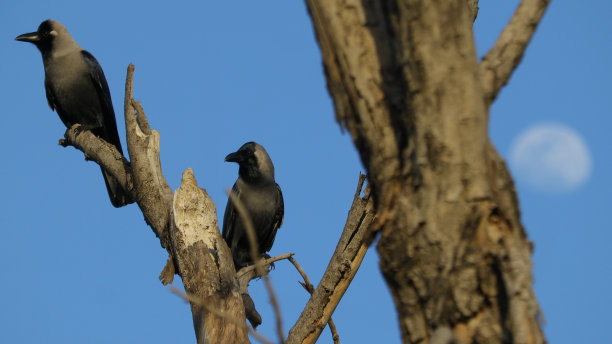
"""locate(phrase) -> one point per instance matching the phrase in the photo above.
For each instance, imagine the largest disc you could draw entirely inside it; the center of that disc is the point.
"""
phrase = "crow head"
(255, 163)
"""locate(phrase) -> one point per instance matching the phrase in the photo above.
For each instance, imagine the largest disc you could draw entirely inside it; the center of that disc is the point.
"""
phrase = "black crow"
(77, 89)
(261, 197)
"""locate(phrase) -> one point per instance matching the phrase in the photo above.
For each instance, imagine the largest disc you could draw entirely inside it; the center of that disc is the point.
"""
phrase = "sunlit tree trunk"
(408, 86)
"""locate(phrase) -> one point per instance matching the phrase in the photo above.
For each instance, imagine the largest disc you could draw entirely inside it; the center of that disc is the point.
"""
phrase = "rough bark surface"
(205, 263)
(406, 84)
(154, 194)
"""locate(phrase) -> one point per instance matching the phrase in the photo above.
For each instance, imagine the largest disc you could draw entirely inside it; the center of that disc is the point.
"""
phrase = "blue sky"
(214, 75)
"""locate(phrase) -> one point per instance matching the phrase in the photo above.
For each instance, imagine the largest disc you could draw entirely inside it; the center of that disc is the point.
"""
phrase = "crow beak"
(31, 37)
(234, 157)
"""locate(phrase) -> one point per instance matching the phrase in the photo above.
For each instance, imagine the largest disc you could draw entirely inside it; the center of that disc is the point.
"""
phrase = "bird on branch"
(77, 89)
(261, 198)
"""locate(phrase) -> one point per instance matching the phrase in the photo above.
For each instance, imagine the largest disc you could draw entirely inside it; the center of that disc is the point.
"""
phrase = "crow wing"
(108, 121)
(50, 95)
(277, 220)
(229, 219)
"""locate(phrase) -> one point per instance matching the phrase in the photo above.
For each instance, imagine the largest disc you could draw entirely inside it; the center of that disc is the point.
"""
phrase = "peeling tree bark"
(408, 87)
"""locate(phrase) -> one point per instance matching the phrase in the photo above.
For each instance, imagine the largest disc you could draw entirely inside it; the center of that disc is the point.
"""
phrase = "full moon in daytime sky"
(551, 157)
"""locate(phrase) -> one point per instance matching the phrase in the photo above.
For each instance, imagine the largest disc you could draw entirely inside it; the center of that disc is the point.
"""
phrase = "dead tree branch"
(310, 289)
(249, 272)
(185, 222)
(352, 246)
(142, 177)
(154, 193)
(104, 154)
(498, 64)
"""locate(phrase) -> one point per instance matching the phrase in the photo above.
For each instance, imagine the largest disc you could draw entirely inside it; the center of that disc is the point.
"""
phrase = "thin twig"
(307, 285)
(310, 289)
(251, 235)
(227, 316)
(265, 262)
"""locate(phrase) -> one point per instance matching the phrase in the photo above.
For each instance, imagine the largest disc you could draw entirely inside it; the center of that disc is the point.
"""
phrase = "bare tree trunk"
(407, 85)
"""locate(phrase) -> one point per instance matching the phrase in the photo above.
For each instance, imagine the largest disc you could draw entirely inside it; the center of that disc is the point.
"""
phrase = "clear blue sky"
(214, 75)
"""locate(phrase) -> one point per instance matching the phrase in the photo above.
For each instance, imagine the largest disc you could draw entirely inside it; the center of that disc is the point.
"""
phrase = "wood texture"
(154, 193)
(205, 263)
(406, 84)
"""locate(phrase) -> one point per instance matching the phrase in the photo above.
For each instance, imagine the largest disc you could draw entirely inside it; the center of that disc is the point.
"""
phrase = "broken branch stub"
(154, 194)
(205, 264)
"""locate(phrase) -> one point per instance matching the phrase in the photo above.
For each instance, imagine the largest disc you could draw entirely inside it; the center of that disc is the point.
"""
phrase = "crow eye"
(47, 34)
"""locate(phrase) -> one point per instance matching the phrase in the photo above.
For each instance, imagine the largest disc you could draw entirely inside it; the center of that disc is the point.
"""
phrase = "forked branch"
(354, 242)
(310, 289)
(195, 246)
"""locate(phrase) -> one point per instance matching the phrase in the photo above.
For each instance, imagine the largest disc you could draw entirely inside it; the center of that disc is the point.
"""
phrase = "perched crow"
(262, 198)
(77, 90)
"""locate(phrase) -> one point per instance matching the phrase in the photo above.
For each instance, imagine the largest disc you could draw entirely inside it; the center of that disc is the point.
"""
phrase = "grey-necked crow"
(77, 89)
(262, 198)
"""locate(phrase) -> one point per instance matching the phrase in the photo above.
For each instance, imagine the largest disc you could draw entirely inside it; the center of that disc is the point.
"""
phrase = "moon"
(551, 157)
